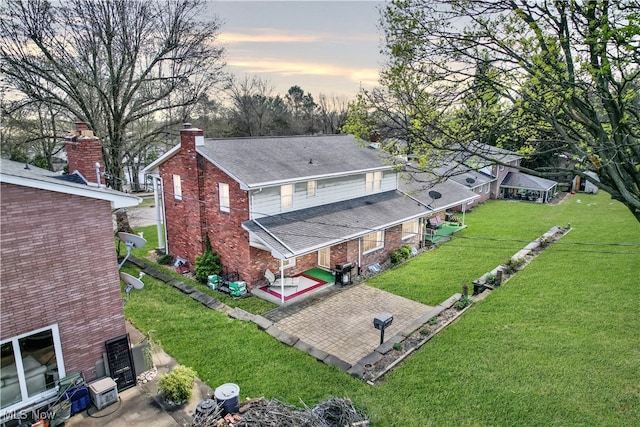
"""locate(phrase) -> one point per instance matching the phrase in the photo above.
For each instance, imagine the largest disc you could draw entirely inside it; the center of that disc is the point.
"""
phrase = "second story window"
(286, 196)
(373, 181)
(223, 189)
(177, 187)
(311, 188)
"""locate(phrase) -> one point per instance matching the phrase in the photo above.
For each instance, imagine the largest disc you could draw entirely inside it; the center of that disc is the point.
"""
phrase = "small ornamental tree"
(207, 264)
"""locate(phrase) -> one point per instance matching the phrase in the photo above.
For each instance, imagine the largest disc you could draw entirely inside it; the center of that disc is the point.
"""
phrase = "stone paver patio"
(342, 324)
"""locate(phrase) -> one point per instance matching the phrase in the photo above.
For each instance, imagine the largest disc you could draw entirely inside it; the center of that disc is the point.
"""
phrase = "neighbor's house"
(287, 204)
(59, 278)
(496, 176)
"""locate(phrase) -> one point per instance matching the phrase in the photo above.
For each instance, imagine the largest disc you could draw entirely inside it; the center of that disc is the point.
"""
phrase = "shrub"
(425, 331)
(491, 279)
(397, 346)
(514, 264)
(433, 321)
(207, 264)
(177, 385)
(406, 252)
(166, 259)
(463, 302)
(400, 254)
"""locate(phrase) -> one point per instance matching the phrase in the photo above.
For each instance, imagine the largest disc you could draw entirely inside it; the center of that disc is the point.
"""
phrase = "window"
(286, 263)
(372, 241)
(286, 196)
(501, 167)
(311, 188)
(177, 187)
(486, 188)
(31, 364)
(223, 189)
(373, 182)
(409, 229)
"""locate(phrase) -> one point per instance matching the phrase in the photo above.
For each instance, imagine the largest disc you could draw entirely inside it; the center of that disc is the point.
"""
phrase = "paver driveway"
(342, 324)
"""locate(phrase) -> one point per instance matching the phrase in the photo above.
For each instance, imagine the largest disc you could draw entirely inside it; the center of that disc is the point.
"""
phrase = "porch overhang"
(292, 234)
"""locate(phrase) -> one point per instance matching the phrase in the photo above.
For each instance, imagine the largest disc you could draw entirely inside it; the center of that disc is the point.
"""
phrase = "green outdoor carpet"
(320, 274)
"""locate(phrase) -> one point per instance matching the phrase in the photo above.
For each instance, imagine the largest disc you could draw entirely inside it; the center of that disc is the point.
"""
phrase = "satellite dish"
(131, 241)
(132, 283)
(470, 180)
(434, 194)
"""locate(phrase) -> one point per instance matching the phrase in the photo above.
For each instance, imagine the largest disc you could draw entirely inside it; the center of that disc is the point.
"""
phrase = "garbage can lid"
(227, 391)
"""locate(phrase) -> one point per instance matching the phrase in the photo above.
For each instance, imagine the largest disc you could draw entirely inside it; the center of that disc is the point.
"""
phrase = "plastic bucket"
(229, 396)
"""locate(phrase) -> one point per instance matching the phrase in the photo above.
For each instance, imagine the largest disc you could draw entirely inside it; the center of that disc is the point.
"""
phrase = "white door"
(324, 257)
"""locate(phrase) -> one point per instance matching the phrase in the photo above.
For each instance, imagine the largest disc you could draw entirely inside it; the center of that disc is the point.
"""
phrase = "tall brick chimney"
(84, 150)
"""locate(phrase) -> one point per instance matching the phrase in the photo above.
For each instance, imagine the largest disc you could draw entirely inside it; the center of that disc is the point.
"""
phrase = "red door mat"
(307, 283)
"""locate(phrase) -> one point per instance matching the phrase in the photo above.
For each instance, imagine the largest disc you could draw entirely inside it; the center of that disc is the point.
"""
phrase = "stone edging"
(359, 369)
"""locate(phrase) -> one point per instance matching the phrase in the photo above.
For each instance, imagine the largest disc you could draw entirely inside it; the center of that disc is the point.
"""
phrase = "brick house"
(59, 279)
(286, 204)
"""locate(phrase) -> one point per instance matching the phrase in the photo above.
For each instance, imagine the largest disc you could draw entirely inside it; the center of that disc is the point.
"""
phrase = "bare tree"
(111, 63)
(570, 65)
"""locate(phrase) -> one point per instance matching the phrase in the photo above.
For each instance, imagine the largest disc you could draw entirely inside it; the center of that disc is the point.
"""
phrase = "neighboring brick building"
(59, 281)
(287, 203)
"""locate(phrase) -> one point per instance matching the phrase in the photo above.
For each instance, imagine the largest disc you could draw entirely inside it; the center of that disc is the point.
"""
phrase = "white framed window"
(373, 181)
(311, 188)
(31, 365)
(409, 229)
(372, 241)
(486, 188)
(286, 196)
(225, 204)
(177, 187)
(288, 263)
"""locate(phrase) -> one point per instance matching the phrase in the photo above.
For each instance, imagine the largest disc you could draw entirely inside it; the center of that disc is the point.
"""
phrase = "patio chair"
(436, 221)
(287, 282)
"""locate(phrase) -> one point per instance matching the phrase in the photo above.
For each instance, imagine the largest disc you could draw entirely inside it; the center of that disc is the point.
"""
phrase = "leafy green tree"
(570, 65)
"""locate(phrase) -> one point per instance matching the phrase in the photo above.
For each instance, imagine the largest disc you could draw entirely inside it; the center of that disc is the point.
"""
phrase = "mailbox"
(382, 321)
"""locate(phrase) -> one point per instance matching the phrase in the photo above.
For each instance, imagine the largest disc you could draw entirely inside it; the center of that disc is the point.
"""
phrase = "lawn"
(558, 344)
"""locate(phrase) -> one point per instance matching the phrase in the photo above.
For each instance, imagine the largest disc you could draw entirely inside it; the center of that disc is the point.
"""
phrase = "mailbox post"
(382, 322)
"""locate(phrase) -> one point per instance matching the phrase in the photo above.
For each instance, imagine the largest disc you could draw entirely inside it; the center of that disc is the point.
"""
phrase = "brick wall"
(59, 266)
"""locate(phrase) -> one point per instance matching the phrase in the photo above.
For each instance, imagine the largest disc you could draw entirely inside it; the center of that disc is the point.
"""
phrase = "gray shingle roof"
(299, 232)
(426, 187)
(34, 177)
(263, 161)
(527, 182)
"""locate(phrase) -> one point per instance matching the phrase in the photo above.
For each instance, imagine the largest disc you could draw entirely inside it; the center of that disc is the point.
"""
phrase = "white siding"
(267, 201)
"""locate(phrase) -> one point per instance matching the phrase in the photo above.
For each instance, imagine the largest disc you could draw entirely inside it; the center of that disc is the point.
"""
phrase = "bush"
(463, 302)
(166, 259)
(512, 265)
(400, 254)
(207, 264)
(397, 346)
(177, 385)
(491, 279)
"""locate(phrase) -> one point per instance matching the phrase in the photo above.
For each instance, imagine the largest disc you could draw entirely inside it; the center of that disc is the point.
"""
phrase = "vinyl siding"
(266, 201)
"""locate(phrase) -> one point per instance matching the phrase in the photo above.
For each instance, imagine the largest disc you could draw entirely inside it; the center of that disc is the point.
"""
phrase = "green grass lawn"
(558, 344)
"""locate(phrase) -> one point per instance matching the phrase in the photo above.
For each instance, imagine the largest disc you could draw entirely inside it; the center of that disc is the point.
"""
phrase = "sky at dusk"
(329, 47)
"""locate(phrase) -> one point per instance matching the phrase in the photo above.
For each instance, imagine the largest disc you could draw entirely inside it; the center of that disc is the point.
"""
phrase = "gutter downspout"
(162, 237)
(281, 281)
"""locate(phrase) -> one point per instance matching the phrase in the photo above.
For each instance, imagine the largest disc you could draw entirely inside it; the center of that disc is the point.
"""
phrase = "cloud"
(366, 76)
(269, 35)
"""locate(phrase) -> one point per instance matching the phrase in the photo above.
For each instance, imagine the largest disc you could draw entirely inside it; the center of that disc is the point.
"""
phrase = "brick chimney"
(84, 150)
(190, 138)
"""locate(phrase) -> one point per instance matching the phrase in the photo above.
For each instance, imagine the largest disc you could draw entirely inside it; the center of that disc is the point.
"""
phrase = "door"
(324, 257)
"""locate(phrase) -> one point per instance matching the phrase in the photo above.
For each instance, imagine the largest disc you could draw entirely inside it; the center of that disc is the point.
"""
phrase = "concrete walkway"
(142, 405)
(342, 324)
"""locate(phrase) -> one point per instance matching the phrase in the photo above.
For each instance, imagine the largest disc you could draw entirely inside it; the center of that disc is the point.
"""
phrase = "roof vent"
(187, 125)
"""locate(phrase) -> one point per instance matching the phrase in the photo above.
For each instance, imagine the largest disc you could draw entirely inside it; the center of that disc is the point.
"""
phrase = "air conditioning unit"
(103, 392)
